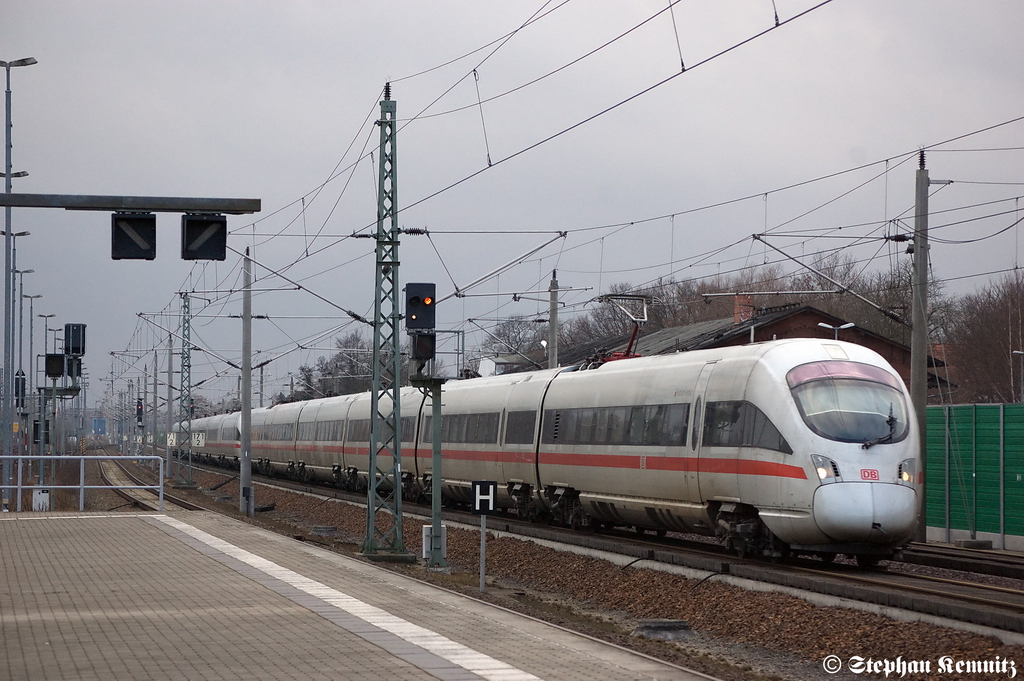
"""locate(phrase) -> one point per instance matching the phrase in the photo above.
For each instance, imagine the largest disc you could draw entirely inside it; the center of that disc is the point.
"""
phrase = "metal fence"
(81, 486)
(975, 473)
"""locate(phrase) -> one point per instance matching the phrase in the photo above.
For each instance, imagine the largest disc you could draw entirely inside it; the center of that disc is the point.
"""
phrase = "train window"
(568, 426)
(307, 431)
(850, 402)
(618, 419)
(654, 417)
(282, 432)
(585, 426)
(488, 431)
(519, 427)
(472, 428)
(327, 431)
(635, 426)
(739, 423)
(673, 432)
(453, 428)
(229, 434)
(651, 425)
(408, 429)
(550, 426)
(359, 430)
(466, 428)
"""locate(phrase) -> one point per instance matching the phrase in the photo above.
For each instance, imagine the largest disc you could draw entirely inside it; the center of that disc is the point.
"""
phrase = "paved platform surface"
(199, 596)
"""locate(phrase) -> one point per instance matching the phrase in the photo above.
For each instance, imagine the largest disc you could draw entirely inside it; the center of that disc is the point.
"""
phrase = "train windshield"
(850, 402)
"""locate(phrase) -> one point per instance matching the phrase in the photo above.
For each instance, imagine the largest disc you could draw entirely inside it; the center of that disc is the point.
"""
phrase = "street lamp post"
(836, 329)
(21, 317)
(5, 399)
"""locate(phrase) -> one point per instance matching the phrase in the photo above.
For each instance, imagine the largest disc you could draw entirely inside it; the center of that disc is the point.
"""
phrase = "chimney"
(742, 308)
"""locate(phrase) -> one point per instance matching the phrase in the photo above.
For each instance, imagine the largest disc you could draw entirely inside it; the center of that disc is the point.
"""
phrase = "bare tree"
(984, 329)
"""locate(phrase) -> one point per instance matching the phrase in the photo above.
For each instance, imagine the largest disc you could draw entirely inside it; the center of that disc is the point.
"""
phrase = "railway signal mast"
(421, 325)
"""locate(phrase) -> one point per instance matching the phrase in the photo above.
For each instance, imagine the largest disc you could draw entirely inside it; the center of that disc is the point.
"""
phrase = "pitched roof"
(707, 334)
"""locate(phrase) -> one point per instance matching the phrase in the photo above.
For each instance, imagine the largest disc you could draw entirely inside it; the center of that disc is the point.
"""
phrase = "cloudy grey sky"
(276, 101)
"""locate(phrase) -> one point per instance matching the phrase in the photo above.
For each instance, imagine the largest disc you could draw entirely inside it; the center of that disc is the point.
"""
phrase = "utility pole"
(185, 392)
(156, 371)
(143, 398)
(170, 401)
(553, 322)
(246, 503)
(384, 473)
(919, 336)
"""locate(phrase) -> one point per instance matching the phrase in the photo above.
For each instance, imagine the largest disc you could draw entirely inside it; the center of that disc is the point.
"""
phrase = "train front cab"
(780, 431)
(868, 476)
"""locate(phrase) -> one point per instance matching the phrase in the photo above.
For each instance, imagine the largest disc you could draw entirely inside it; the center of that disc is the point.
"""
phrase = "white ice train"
(785, 447)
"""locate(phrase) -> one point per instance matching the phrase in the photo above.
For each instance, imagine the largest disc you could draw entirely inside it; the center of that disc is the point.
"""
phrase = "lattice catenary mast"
(384, 540)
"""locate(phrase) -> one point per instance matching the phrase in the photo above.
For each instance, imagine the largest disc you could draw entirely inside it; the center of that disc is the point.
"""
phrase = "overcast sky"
(270, 100)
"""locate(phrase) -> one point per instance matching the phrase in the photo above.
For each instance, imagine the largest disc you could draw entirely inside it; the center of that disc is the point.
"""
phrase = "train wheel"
(827, 558)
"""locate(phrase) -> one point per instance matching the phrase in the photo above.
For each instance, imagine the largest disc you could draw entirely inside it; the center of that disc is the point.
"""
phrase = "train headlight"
(826, 468)
(907, 472)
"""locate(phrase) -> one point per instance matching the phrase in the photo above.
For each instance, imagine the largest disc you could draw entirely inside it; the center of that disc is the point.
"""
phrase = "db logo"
(868, 474)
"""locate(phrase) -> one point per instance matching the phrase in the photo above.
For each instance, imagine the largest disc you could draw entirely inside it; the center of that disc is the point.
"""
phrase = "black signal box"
(133, 236)
(423, 345)
(54, 365)
(74, 339)
(204, 237)
(419, 306)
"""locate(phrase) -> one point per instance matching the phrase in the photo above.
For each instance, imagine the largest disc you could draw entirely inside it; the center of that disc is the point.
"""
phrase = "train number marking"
(869, 474)
(643, 463)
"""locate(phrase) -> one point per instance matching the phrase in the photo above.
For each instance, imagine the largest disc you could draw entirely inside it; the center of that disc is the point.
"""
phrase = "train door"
(696, 431)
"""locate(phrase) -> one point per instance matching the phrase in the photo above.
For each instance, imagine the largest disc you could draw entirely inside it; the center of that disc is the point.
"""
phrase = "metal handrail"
(81, 486)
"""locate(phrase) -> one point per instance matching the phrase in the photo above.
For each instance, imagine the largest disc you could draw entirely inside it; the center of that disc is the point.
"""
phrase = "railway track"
(116, 475)
(986, 562)
(999, 607)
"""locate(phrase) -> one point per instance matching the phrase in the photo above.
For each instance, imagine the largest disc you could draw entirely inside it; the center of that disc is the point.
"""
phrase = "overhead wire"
(561, 68)
(537, 16)
(633, 223)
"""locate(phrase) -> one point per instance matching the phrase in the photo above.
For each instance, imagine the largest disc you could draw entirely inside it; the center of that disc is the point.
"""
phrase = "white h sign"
(485, 496)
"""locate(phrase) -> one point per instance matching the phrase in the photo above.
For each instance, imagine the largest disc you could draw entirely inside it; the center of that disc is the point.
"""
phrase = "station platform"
(194, 595)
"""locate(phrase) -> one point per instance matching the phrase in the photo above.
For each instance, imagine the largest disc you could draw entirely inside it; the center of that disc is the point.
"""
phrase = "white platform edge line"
(452, 651)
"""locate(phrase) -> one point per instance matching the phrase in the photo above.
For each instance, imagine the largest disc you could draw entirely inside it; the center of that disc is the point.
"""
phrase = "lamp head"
(27, 61)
